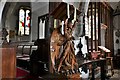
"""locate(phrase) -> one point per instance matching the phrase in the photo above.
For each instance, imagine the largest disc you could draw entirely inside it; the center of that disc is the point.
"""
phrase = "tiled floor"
(116, 75)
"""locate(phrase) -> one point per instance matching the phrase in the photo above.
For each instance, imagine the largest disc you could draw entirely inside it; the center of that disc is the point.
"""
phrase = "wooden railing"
(101, 63)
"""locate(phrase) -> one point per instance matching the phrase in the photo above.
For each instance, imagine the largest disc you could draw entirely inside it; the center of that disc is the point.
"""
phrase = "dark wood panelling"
(105, 17)
(60, 12)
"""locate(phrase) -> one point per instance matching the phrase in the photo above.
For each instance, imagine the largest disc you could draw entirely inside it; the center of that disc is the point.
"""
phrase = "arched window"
(24, 21)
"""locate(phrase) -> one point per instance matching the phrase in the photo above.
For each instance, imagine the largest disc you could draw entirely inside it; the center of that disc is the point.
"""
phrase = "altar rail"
(101, 68)
(101, 63)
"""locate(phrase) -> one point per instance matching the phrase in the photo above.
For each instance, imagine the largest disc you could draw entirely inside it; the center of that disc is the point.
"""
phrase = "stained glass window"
(27, 23)
(21, 22)
(24, 22)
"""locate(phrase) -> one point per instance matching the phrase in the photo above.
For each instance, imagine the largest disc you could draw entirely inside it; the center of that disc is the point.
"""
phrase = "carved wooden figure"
(63, 60)
(68, 59)
(57, 40)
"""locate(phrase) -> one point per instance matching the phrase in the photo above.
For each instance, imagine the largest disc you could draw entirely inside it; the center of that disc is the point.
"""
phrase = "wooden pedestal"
(8, 60)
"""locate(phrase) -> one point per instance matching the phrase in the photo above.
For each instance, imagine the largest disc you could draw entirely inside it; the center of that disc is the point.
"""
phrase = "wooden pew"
(25, 50)
(23, 55)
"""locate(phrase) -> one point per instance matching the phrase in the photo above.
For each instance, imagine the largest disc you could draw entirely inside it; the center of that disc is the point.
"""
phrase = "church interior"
(60, 40)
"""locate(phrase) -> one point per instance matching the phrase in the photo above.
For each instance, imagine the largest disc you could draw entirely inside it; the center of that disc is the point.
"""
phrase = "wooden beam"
(95, 27)
(91, 27)
(99, 21)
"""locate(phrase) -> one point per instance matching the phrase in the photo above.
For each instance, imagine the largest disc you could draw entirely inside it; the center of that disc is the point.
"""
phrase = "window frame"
(24, 8)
